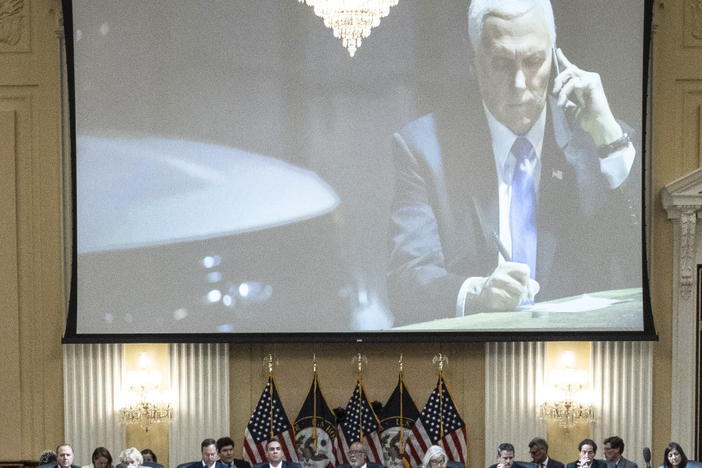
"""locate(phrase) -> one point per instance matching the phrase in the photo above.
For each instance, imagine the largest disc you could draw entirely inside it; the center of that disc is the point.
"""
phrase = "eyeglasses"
(436, 461)
(357, 452)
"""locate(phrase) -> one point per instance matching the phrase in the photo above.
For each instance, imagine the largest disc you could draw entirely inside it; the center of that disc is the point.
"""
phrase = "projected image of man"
(502, 202)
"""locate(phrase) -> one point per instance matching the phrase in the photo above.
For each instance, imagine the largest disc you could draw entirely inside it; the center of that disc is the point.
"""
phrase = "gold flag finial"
(268, 361)
(401, 363)
(441, 359)
(314, 362)
(360, 361)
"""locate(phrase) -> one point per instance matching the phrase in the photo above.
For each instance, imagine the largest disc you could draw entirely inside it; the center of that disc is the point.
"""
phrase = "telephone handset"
(566, 114)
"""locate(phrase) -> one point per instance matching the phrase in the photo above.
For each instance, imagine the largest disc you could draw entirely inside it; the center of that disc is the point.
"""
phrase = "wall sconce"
(351, 20)
(568, 401)
(143, 403)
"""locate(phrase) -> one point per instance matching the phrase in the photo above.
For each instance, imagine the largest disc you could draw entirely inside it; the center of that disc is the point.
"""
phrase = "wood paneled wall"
(465, 375)
(676, 133)
(31, 247)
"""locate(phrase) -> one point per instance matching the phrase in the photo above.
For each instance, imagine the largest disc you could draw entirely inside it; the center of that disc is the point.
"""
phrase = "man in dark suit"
(358, 457)
(208, 449)
(588, 450)
(613, 450)
(500, 197)
(225, 449)
(274, 454)
(64, 457)
(538, 448)
(505, 457)
(150, 459)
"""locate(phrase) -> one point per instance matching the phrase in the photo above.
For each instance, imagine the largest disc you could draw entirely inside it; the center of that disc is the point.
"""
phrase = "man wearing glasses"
(358, 457)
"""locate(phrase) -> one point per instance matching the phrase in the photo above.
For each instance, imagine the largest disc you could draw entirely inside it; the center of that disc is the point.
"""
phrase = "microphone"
(647, 456)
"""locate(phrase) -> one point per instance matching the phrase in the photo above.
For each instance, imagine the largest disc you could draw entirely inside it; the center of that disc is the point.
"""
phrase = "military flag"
(396, 421)
(315, 430)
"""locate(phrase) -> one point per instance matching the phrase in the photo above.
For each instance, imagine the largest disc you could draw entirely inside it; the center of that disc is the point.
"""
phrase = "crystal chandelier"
(351, 20)
(567, 411)
(145, 413)
(568, 401)
(142, 403)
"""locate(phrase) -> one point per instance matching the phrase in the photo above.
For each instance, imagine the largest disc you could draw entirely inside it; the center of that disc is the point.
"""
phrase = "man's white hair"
(479, 9)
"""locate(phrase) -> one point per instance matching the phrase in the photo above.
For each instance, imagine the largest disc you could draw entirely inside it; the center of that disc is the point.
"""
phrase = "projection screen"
(238, 174)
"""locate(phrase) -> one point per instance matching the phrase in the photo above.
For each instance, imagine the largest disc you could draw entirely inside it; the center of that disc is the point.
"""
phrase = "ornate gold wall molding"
(692, 31)
(14, 26)
(682, 199)
(688, 223)
(8, 280)
(690, 121)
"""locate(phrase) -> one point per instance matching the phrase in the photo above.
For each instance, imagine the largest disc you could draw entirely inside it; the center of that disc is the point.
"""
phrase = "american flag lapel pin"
(557, 174)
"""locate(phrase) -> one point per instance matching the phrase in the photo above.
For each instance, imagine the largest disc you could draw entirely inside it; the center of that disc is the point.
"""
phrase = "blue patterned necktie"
(522, 213)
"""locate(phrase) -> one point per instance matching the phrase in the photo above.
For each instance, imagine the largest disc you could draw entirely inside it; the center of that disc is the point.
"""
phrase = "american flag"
(438, 424)
(360, 418)
(269, 412)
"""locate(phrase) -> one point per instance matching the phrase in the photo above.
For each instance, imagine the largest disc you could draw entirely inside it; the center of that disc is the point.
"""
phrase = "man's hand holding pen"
(507, 286)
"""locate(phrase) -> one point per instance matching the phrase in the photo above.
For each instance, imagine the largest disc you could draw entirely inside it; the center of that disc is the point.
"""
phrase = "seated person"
(674, 457)
(131, 458)
(505, 457)
(101, 458)
(587, 449)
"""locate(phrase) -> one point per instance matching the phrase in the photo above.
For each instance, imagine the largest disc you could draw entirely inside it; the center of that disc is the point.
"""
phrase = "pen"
(501, 247)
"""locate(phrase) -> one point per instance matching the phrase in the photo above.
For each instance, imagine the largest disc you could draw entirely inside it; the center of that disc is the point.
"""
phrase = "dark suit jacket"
(241, 463)
(198, 464)
(514, 465)
(368, 465)
(624, 463)
(554, 464)
(595, 464)
(286, 464)
(445, 210)
(238, 463)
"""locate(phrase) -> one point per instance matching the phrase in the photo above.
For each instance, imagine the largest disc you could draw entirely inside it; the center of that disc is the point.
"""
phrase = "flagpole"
(441, 359)
(360, 395)
(270, 393)
(314, 404)
(402, 420)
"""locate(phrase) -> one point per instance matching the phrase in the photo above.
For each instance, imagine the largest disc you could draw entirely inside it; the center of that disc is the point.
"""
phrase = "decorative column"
(682, 200)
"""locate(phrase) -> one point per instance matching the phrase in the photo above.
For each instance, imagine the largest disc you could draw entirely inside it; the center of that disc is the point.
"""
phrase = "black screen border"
(71, 336)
